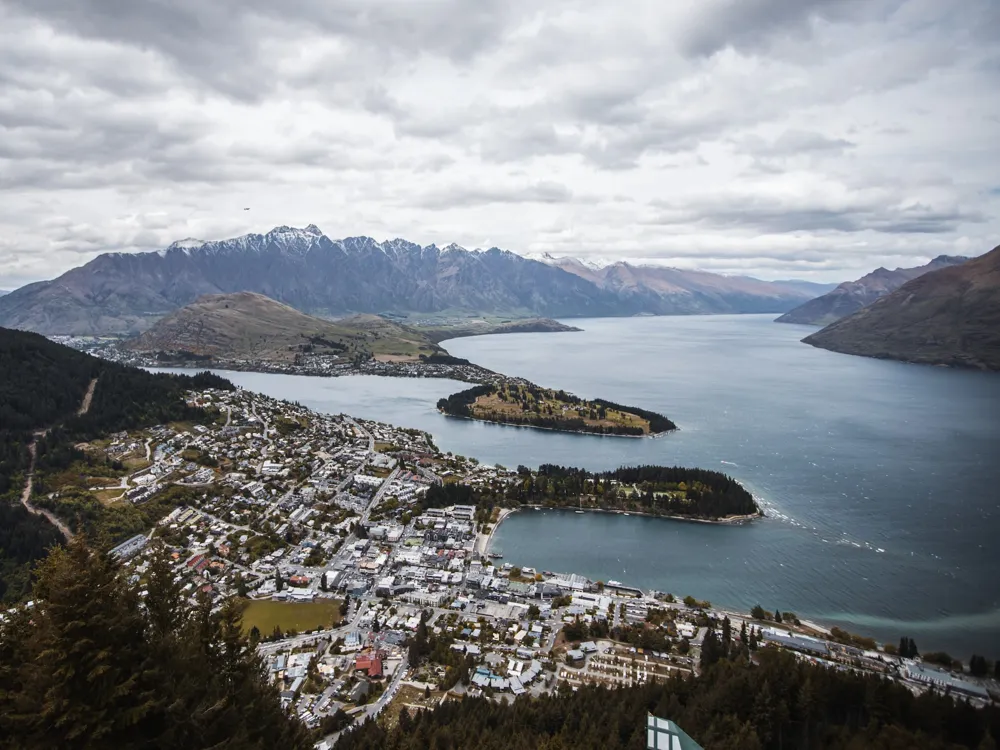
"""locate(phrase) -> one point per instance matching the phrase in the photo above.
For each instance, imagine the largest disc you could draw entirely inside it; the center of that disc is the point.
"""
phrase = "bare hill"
(949, 317)
(851, 296)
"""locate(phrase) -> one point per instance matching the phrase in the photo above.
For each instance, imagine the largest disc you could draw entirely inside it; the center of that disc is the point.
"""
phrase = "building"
(663, 734)
(369, 663)
(131, 548)
(944, 681)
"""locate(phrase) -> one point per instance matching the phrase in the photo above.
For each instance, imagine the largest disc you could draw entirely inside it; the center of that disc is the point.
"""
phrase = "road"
(29, 484)
(379, 495)
(363, 431)
(29, 487)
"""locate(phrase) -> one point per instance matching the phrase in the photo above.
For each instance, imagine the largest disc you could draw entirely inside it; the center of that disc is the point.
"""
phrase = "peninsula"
(662, 491)
(524, 404)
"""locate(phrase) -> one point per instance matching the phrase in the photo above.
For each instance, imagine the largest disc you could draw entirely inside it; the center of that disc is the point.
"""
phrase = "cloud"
(477, 195)
(770, 136)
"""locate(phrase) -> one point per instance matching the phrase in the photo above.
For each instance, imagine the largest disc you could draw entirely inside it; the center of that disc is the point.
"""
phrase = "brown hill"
(246, 325)
(949, 317)
(851, 296)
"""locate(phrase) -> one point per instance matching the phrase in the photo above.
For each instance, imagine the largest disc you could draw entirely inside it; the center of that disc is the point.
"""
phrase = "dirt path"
(87, 398)
(29, 485)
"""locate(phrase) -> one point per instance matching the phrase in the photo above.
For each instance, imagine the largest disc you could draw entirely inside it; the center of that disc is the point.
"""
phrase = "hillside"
(42, 385)
(948, 317)
(246, 325)
(851, 296)
(127, 292)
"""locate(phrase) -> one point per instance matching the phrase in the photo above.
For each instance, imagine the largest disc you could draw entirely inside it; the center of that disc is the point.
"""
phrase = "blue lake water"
(880, 479)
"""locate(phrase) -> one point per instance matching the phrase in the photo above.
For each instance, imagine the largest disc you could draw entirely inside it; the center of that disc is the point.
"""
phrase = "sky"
(811, 139)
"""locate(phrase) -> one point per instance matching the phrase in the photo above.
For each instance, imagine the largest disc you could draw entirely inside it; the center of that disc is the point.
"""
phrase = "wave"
(970, 621)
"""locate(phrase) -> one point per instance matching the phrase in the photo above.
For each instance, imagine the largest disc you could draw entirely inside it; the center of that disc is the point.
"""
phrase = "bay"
(879, 479)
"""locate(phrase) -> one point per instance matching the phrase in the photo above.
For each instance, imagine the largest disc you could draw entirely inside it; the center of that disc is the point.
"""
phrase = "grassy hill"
(246, 325)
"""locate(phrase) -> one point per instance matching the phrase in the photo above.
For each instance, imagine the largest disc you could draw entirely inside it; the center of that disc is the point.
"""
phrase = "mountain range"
(950, 316)
(118, 293)
(673, 291)
(851, 296)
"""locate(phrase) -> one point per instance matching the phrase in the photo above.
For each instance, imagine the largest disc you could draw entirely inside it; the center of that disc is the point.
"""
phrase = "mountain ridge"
(852, 296)
(121, 293)
(950, 316)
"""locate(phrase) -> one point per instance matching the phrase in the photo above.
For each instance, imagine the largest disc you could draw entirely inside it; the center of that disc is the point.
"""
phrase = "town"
(366, 595)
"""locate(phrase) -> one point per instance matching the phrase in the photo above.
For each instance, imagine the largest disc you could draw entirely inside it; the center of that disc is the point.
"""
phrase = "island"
(525, 404)
(662, 491)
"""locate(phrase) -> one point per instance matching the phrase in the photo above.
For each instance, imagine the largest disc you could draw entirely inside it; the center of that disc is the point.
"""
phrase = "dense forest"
(553, 410)
(96, 664)
(780, 703)
(658, 490)
(42, 385)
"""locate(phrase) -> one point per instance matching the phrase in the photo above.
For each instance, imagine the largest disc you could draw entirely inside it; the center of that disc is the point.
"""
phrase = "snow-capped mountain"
(302, 267)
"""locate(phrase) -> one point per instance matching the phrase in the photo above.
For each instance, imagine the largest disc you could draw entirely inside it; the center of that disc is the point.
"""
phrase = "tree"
(515, 572)
(427, 692)
(978, 666)
(90, 665)
(322, 582)
(534, 612)
(777, 616)
(279, 582)
(727, 635)
(759, 613)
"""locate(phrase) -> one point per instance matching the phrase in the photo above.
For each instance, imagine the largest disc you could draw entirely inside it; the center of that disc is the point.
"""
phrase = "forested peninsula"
(677, 492)
(527, 405)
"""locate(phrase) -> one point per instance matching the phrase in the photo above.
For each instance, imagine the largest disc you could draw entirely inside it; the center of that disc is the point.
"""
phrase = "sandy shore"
(483, 541)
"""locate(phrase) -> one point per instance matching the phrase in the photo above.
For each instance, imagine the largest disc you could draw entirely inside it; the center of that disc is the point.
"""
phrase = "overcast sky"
(813, 139)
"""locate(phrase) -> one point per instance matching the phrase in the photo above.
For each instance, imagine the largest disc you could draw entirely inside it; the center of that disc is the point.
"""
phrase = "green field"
(300, 616)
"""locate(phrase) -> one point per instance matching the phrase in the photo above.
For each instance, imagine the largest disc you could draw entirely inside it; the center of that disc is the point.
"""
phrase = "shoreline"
(650, 436)
(506, 512)
(487, 539)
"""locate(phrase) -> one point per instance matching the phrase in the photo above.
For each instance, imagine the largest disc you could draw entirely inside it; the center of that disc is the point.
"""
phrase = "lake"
(880, 479)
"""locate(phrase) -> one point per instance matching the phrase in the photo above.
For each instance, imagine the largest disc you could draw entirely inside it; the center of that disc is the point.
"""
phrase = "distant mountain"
(246, 325)
(303, 268)
(814, 288)
(4, 291)
(851, 296)
(950, 316)
(660, 290)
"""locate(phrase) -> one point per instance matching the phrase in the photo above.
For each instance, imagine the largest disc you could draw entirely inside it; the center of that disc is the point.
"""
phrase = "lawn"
(300, 616)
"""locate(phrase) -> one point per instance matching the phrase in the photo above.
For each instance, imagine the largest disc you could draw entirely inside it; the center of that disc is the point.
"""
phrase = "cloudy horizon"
(811, 139)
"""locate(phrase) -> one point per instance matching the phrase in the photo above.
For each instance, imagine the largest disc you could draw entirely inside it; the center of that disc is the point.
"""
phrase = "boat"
(496, 555)
(579, 511)
(626, 514)
(614, 583)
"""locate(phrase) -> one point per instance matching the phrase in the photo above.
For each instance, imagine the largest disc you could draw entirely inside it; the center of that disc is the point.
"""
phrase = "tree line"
(661, 490)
